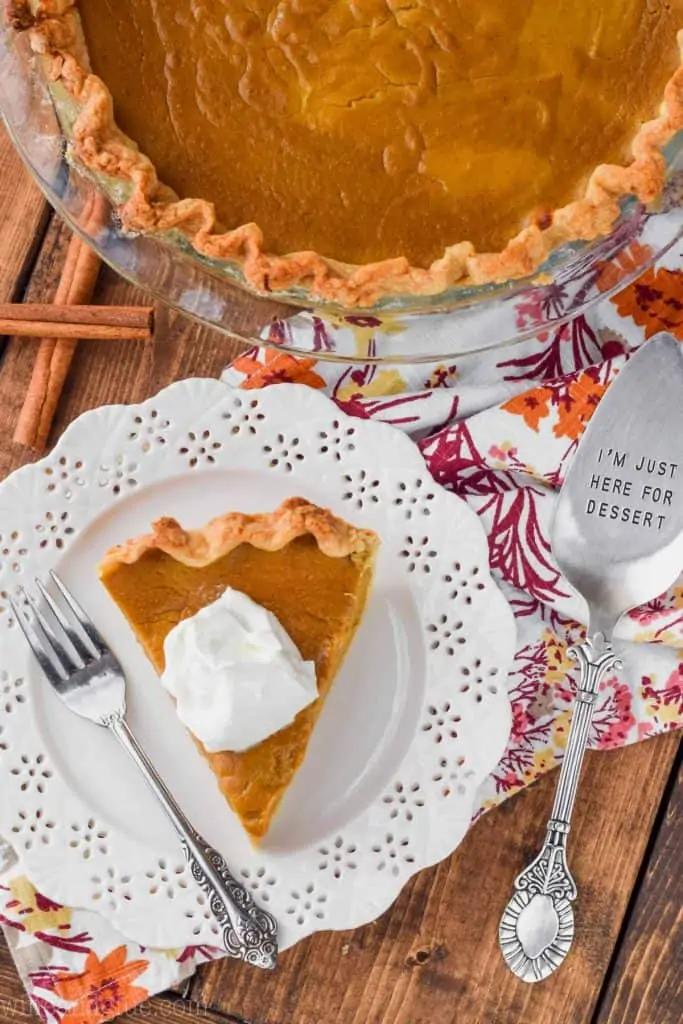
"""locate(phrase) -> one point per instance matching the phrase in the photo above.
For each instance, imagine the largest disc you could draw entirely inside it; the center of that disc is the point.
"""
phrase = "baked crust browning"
(151, 207)
(312, 570)
(270, 531)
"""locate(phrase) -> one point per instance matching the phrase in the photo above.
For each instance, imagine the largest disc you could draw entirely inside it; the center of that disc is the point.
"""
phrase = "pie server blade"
(617, 535)
(618, 529)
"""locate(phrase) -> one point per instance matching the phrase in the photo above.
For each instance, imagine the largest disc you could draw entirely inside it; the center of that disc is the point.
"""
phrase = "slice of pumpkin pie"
(305, 566)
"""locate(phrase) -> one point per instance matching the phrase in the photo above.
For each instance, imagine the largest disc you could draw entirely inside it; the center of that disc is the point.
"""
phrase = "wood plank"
(102, 372)
(646, 984)
(19, 356)
(24, 219)
(105, 371)
(434, 959)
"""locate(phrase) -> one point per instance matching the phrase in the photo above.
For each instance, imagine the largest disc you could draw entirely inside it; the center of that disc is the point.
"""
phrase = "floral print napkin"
(499, 429)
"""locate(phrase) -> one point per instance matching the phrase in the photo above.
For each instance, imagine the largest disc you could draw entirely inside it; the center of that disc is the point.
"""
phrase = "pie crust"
(253, 781)
(269, 531)
(98, 145)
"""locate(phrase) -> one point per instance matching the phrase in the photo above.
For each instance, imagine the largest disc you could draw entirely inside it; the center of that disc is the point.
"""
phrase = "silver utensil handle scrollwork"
(537, 928)
(248, 932)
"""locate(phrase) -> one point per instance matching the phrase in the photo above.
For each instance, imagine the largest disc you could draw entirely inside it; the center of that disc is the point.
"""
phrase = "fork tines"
(67, 644)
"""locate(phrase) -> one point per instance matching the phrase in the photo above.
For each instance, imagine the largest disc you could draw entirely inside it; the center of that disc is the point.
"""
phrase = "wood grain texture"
(24, 217)
(646, 983)
(434, 958)
(19, 356)
(104, 371)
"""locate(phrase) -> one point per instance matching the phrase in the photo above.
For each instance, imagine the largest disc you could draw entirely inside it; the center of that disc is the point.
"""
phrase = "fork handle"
(249, 932)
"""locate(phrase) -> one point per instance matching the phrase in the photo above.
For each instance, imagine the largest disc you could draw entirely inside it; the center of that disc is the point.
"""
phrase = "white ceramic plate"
(417, 718)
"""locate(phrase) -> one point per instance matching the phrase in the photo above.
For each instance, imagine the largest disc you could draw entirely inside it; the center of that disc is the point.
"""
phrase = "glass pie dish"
(463, 320)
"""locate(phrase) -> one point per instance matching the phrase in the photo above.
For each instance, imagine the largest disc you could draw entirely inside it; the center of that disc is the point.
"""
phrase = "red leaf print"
(46, 904)
(281, 333)
(613, 718)
(512, 767)
(46, 977)
(572, 347)
(519, 551)
(454, 461)
(441, 377)
(207, 952)
(669, 625)
(74, 944)
(526, 606)
(671, 693)
(647, 613)
(360, 376)
(321, 338)
(385, 408)
(354, 407)
(450, 451)
(46, 1010)
(11, 924)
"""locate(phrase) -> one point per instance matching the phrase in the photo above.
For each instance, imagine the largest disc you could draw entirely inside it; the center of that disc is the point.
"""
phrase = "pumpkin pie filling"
(377, 146)
(317, 597)
(375, 129)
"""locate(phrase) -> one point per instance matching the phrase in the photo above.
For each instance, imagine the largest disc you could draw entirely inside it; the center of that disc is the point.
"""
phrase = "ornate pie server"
(618, 538)
(88, 677)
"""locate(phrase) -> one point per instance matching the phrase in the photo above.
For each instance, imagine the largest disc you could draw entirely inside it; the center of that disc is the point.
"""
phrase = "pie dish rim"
(99, 146)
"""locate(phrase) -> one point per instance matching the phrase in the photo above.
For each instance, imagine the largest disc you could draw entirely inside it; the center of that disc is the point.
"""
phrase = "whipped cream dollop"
(235, 673)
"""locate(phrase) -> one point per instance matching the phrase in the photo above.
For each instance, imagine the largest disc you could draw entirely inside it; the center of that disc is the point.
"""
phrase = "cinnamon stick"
(54, 356)
(77, 332)
(19, 318)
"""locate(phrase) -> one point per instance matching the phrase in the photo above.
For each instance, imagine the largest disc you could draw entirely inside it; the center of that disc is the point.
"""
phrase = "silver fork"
(89, 678)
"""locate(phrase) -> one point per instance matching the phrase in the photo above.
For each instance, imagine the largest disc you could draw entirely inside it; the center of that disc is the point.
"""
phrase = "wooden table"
(433, 958)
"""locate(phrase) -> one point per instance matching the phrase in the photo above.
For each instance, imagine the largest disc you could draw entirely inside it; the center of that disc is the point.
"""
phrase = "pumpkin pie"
(309, 568)
(357, 149)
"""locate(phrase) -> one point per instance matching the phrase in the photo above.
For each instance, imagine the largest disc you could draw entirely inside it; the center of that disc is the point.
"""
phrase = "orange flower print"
(533, 406)
(278, 367)
(654, 302)
(575, 410)
(625, 264)
(103, 990)
(575, 403)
